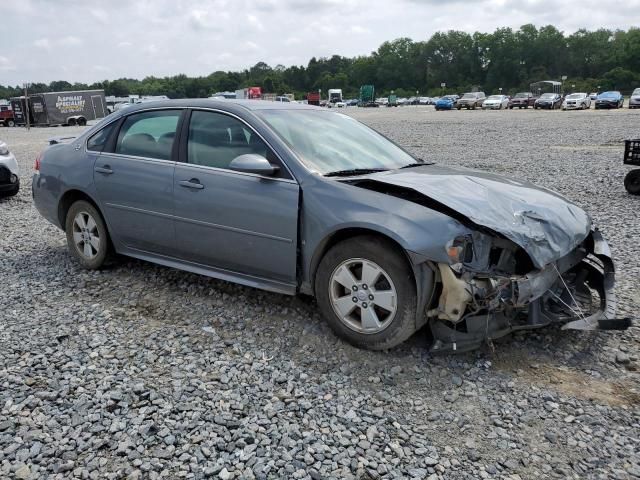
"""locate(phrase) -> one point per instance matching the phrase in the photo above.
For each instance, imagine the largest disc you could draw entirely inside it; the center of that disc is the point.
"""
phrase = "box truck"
(60, 108)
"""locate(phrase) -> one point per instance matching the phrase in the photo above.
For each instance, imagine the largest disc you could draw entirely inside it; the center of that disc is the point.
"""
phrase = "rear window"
(98, 141)
(148, 134)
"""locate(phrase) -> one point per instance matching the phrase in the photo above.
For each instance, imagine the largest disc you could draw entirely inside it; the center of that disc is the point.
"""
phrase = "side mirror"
(253, 163)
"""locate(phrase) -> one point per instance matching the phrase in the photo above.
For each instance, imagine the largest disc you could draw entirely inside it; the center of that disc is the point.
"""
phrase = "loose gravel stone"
(141, 371)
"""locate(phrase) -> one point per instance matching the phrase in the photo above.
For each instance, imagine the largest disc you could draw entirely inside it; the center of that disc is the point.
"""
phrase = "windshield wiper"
(419, 163)
(354, 171)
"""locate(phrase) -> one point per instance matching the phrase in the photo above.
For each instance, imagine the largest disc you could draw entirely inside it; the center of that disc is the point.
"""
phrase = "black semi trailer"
(60, 108)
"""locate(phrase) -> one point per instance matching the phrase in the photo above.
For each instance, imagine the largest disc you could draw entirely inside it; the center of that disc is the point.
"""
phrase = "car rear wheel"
(632, 182)
(87, 236)
(366, 291)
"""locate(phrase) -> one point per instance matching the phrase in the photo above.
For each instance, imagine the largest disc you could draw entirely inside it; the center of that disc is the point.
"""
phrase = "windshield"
(636, 92)
(469, 95)
(609, 94)
(574, 96)
(548, 95)
(328, 142)
(495, 97)
(521, 95)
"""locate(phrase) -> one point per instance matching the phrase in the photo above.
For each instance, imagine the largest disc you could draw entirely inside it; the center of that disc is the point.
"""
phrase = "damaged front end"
(491, 288)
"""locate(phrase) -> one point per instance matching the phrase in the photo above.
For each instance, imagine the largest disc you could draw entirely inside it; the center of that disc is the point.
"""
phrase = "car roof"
(252, 105)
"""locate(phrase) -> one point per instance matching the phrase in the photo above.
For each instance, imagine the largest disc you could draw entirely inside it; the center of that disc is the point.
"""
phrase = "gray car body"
(271, 233)
(325, 208)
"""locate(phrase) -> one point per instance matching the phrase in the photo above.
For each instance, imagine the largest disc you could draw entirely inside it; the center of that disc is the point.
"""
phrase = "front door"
(242, 223)
(135, 182)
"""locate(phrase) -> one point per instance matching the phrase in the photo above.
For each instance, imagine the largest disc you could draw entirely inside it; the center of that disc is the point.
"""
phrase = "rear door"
(134, 181)
(238, 222)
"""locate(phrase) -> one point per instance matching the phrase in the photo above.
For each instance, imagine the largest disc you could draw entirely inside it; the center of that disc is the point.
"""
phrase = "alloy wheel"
(363, 295)
(86, 236)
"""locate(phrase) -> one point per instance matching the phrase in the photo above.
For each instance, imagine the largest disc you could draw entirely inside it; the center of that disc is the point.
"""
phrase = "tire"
(632, 182)
(458, 108)
(82, 122)
(91, 257)
(11, 193)
(11, 123)
(511, 107)
(391, 327)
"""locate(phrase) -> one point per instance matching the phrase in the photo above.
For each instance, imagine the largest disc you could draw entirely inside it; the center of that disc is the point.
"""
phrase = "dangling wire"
(580, 313)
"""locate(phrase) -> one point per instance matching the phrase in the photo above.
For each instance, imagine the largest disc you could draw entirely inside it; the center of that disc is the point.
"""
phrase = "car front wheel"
(366, 291)
(87, 236)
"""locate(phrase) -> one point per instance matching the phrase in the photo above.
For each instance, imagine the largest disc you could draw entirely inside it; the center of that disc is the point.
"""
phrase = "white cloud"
(70, 41)
(6, 64)
(43, 43)
(255, 22)
(137, 38)
(359, 29)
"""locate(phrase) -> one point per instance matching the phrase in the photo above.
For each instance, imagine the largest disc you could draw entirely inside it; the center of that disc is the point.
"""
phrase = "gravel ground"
(140, 371)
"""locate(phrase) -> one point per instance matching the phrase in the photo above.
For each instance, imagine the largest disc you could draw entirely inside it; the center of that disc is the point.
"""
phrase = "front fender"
(331, 207)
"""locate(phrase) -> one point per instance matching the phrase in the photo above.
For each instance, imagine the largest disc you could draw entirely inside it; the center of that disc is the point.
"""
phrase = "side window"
(216, 139)
(97, 141)
(148, 134)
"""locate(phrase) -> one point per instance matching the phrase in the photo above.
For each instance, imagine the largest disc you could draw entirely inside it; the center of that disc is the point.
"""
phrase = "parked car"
(385, 242)
(576, 101)
(522, 100)
(634, 99)
(471, 100)
(9, 176)
(495, 102)
(612, 99)
(424, 101)
(447, 102)
(548, 100)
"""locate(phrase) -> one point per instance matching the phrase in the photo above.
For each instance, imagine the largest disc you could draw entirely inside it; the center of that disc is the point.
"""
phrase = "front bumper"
(9, 179)
(540, 298)
(607, 104)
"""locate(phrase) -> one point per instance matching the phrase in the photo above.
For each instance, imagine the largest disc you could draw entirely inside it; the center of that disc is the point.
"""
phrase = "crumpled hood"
(546, 225)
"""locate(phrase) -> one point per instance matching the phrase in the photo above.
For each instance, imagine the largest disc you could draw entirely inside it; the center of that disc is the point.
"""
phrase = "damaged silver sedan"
(296, 199)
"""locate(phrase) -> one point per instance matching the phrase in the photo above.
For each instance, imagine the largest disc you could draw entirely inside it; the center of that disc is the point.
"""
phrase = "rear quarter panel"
(63, 167)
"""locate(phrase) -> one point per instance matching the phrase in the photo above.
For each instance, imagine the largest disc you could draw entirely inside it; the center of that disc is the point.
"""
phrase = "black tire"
(11, 193)
(632, 182)
(82, 122)
(458, 108)
(403, 323)
(97, 261)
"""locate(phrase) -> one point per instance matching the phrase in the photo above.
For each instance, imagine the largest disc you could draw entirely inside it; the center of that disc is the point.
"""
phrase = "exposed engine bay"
(475, 306)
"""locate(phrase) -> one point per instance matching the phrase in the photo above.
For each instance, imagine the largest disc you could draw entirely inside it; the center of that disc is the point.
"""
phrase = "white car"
(634, 99)
(9, 178)
(576, 101)
(496, 102)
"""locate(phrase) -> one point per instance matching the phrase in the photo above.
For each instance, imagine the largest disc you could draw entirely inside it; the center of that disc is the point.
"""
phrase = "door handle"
(193, 183)
(106, 169)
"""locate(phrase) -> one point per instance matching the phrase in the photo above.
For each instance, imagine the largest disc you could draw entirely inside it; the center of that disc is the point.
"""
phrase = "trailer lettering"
(70, 104)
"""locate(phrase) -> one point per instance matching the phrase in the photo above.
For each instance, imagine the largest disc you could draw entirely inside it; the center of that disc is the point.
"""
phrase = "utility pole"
(26, 106)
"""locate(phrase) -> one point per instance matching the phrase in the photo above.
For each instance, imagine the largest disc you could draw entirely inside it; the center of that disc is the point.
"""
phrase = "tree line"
(509, 59)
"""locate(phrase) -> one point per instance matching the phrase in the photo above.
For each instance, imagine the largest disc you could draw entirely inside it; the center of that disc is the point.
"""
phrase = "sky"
(93, 40)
